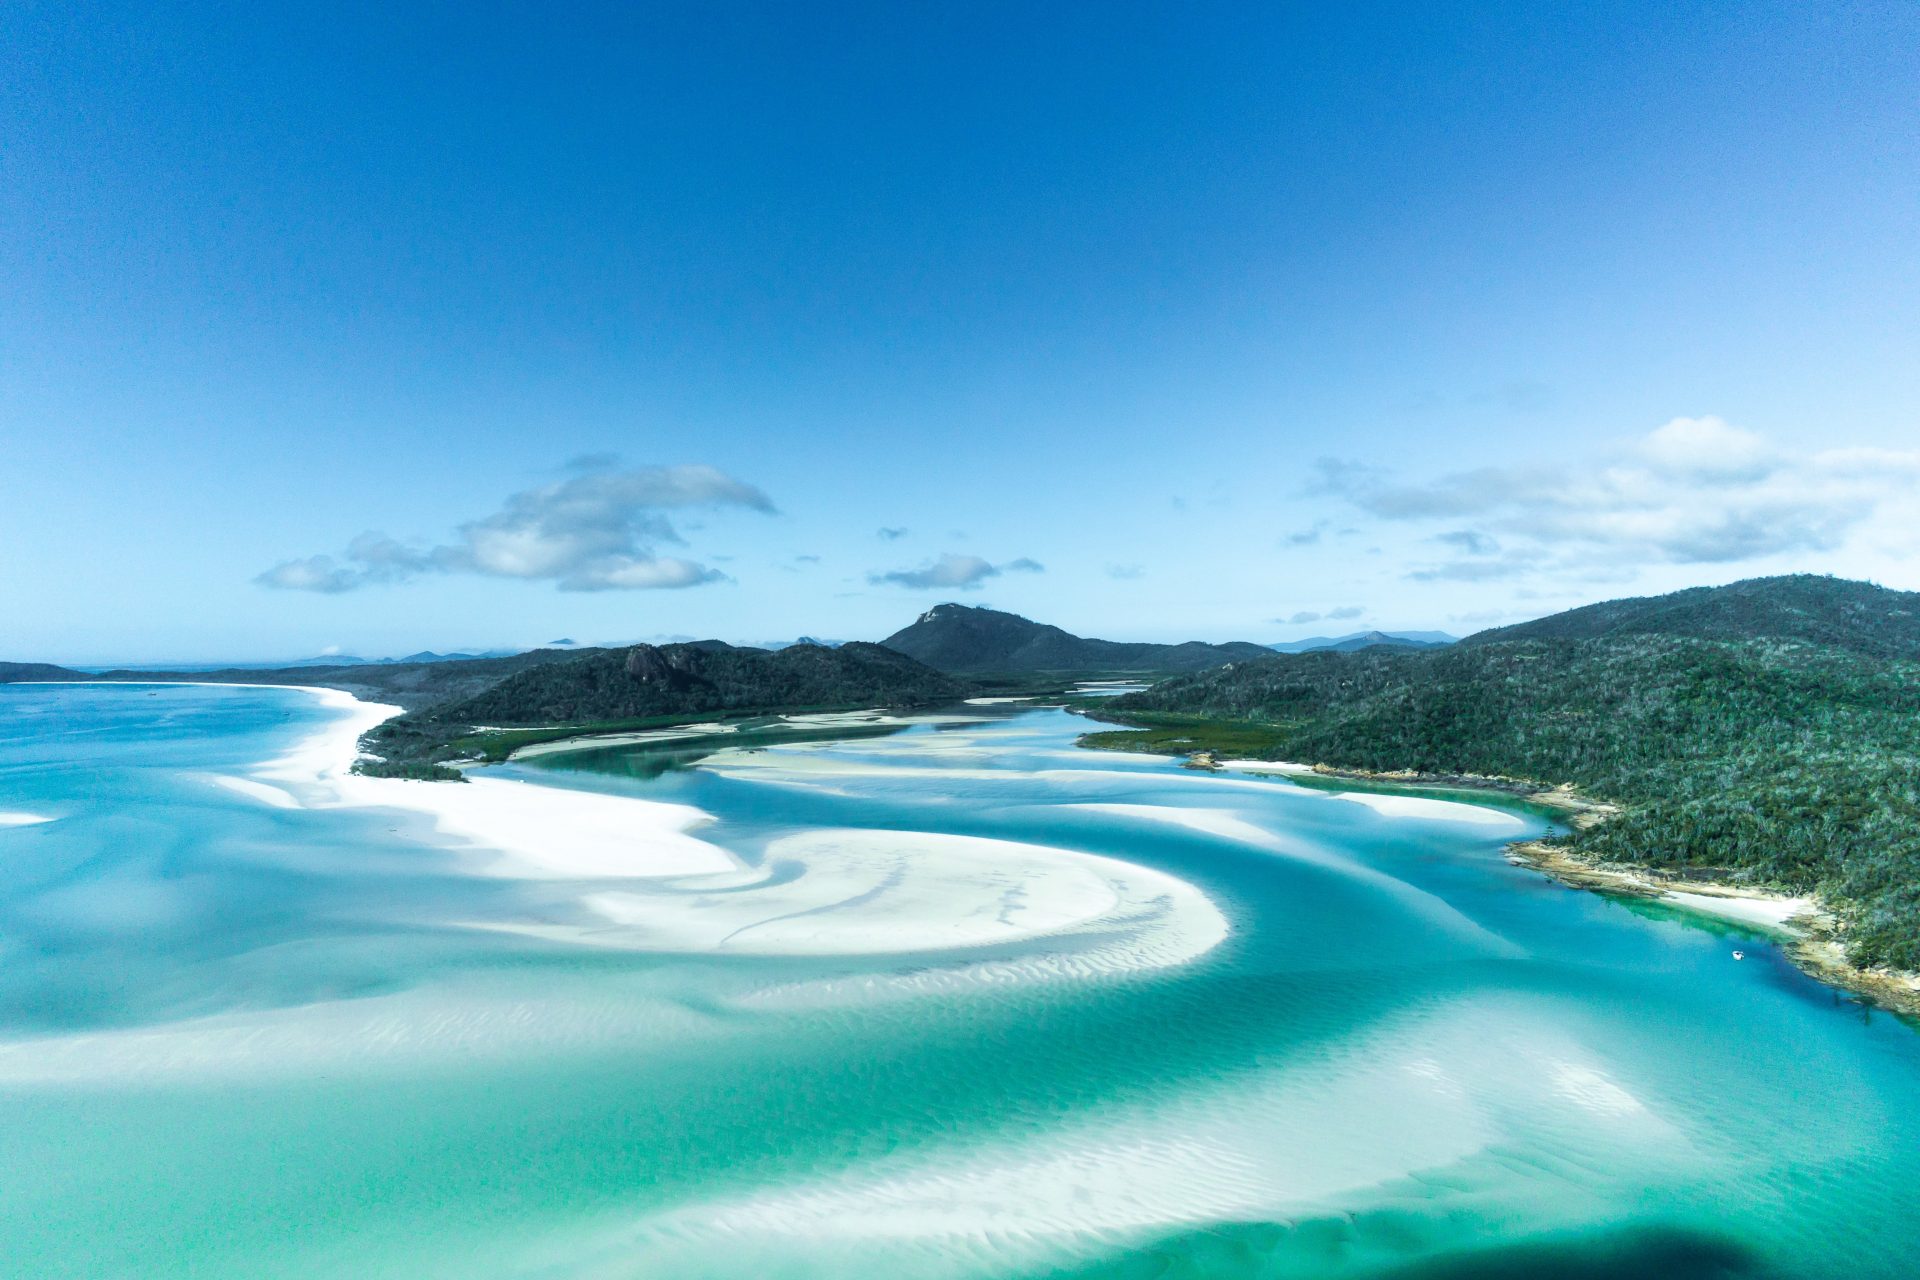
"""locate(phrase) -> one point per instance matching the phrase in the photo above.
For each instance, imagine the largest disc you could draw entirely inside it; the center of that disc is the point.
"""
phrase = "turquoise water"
(1314, 1035)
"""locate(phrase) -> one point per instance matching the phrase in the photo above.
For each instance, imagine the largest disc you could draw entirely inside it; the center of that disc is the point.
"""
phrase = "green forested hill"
(36, 672)
(1836, 612)
(1780, 761)
(649, 683)
(965, 639)
(694, 679)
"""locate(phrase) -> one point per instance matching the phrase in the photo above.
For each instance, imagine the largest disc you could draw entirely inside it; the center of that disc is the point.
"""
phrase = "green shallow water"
(244, 1039)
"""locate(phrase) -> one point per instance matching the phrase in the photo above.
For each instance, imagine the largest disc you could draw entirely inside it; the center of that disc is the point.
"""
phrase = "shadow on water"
(1270, 1251)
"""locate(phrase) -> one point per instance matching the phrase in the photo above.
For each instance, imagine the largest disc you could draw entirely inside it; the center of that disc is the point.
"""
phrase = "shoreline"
(1809, 933)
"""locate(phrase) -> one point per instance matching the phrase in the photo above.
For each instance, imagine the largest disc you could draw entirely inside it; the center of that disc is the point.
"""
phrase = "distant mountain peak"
(969, 638)
(1365, 640)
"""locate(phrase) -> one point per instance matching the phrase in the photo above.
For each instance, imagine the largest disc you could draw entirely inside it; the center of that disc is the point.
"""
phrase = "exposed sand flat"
(859, 892)
(17, 818)
(1429, 809)
(637, 738)
(799, 766)
(265, 793)
(1421, 1097)
(1214, 822)
(383, 1032)
(721, 728)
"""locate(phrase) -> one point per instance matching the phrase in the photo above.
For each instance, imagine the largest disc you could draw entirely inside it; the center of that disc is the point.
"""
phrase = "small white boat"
(1739, 955)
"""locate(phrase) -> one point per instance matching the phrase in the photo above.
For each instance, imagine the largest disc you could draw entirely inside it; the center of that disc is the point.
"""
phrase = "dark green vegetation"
(650, 686)
(36, 672)
(1767, 731)
(415, 770)
(1834, 612)
(687, 679)
(961, 639)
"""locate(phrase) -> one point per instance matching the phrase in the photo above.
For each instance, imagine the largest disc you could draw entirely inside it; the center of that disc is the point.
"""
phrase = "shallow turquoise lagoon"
(955, 999)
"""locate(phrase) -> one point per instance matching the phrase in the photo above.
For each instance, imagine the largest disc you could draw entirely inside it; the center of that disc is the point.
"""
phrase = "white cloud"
(1694, 491)
(594, 531)
(952, 571)
(1342, 614)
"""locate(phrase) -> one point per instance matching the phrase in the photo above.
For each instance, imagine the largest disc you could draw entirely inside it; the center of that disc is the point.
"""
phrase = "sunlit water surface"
(1312, 1034)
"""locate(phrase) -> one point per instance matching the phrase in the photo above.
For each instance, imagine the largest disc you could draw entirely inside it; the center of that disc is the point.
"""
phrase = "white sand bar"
(858, 892)
(1399, 806)
(15, 818)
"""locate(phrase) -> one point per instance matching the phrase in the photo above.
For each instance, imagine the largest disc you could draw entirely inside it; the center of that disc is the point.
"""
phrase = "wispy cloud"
(1126, 572)
(1694, 491)
(598, 530)
(1470, 541)
(1306, 537)
(891, 534)
(953, 572)
(1342, 614)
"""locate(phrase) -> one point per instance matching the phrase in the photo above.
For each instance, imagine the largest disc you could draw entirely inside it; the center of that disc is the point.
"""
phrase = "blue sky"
(329, 326)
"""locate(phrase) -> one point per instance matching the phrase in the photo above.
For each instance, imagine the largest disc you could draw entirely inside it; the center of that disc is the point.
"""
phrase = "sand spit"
(508, 828)
(16, 818)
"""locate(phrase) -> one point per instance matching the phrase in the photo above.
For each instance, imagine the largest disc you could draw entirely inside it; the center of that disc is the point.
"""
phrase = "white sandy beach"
(1768, 911)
